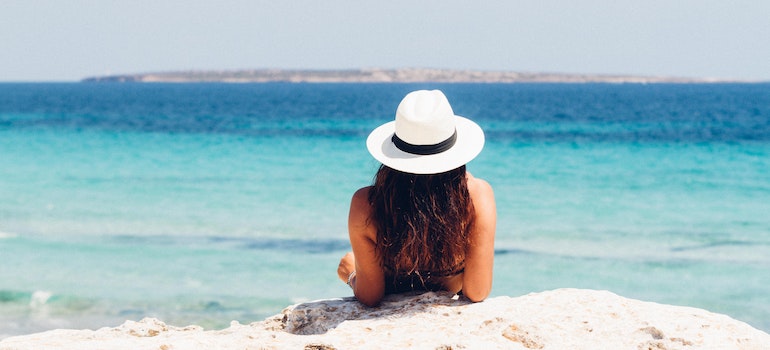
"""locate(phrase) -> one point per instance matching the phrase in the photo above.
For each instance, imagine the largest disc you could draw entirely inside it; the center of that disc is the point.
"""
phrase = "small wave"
(34, 299)
(317, 245)
(716, 244)
(313, 246)
(11, 296)
(506, 251)
(39, 298)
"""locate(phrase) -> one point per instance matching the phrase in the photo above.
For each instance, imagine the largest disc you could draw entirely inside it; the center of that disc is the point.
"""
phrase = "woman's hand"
(347, 266)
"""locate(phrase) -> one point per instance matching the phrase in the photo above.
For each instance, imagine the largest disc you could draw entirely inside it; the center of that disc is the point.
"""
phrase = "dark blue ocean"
(206, 203)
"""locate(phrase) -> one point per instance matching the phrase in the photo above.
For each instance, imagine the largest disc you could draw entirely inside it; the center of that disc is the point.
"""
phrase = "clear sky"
(66, 40)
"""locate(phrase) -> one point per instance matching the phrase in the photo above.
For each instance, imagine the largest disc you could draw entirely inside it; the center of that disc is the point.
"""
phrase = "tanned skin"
(369, 280)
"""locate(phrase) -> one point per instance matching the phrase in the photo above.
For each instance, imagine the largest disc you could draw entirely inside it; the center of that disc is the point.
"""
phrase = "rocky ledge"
(559, 319)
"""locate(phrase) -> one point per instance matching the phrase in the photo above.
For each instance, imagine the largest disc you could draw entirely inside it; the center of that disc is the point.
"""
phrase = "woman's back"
(473, 274)
(422, 221)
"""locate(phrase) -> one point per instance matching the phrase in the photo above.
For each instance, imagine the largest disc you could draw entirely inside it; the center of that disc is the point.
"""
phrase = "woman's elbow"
(476, 298)
(476, 294)
(369, 301)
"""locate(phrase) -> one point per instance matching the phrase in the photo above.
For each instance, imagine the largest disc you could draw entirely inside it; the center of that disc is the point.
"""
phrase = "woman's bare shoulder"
(478, 186)
(360, 210)
(483, 198)
(361, 196)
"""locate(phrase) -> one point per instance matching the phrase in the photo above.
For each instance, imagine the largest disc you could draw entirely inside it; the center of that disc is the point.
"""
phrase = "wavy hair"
(423, 221)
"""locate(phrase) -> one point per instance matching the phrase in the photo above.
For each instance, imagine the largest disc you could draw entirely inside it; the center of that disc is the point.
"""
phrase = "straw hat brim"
(470, 141)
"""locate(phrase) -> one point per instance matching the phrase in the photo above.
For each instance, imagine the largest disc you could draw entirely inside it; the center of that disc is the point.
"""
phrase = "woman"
(426, 223)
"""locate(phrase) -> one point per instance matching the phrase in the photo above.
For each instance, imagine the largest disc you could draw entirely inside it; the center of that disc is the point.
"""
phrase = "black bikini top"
(419, 280)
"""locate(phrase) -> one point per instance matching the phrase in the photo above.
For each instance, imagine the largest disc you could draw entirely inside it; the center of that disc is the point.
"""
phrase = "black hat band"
(424, 150)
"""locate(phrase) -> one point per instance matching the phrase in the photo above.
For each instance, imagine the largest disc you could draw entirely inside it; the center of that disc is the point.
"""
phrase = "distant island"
(375, 75)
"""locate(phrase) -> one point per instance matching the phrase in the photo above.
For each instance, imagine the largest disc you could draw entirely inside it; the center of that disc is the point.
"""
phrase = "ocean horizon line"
(396, 75)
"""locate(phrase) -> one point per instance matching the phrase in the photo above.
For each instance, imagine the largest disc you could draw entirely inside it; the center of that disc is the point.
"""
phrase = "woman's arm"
(368, 283)
(479, 259)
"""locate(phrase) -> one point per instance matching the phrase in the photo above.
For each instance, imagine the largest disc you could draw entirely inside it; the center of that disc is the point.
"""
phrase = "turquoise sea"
(206, 203)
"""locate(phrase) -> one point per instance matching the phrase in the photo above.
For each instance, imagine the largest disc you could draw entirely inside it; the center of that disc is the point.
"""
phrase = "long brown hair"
(422, 221)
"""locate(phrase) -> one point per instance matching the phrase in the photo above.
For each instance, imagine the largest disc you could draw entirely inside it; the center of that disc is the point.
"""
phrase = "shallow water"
(206, 203)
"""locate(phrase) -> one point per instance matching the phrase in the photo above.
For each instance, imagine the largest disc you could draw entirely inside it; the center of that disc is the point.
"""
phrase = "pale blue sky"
(67, 40)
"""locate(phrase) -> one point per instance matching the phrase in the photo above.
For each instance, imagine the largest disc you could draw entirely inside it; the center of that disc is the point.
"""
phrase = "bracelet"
(350, 278)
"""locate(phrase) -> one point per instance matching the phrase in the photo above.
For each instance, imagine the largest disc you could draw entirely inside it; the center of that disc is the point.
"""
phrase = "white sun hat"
(426, 137)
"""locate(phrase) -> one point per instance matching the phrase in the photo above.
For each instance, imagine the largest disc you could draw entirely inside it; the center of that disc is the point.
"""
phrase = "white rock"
(560, 319)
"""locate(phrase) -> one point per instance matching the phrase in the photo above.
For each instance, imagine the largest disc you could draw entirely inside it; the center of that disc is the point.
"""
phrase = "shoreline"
(557, 319)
